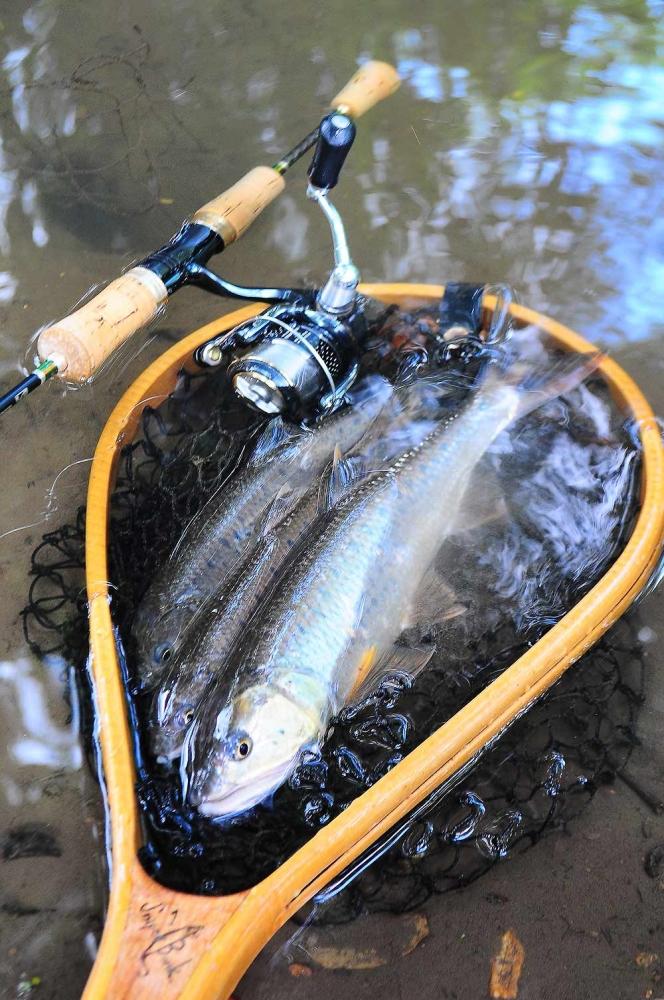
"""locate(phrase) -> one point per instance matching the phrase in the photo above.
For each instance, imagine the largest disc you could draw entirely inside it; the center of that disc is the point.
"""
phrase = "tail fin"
(537, 386)
(564, 376)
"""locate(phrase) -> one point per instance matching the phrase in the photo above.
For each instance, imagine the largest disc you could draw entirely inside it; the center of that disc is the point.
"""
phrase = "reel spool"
(303, 358)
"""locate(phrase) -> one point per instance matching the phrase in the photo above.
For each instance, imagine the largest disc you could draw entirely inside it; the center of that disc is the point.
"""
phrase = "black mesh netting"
(538, 776)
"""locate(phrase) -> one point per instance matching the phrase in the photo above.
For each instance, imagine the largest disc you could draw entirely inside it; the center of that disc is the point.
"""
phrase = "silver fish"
(217, 626)
(221, 621)
(342, 605)
(222, 532)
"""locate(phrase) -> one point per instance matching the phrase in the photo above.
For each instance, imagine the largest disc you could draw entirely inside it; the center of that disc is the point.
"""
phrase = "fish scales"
(337, 602)
(219, 535)
(203, 654)
(349, 592)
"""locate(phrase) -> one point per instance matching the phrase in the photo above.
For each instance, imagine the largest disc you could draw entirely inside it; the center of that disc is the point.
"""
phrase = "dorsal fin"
(277, 510)
(434, 603)
(396, 440)
(483, 500)
(341, 475)
(272, 435)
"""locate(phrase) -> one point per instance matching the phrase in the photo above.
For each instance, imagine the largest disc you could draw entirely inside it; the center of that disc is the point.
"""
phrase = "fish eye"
(163, 653)
(242, 746)
(185, 717)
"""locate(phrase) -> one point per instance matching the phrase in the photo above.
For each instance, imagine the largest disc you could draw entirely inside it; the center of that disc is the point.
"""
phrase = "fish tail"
(562, 377)
(536, 386)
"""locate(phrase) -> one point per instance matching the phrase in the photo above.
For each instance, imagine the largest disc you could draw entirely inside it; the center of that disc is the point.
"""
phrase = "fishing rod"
(76, 346)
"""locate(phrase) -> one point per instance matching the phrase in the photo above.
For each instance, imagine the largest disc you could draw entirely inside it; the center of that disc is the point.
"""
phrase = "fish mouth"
(236, 799)
(167, 746)
(168, 756)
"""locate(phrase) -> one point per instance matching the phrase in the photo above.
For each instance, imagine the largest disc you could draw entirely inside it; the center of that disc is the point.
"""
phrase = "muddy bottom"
(523, 147)
(587, 912)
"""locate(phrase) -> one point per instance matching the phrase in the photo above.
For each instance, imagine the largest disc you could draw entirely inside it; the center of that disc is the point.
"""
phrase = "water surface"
(524, 147)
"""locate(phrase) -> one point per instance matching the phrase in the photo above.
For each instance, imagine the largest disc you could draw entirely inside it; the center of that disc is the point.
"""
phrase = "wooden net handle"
(373, 82)
(80, 342)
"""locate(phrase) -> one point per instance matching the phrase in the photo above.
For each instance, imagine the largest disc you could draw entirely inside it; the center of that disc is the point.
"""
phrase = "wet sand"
(590, 919)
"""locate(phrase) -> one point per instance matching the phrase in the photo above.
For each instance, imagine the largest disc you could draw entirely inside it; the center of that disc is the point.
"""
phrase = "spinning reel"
(301, 355)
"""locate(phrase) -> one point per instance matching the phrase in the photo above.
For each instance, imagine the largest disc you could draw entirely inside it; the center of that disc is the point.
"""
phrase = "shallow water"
(524, 146)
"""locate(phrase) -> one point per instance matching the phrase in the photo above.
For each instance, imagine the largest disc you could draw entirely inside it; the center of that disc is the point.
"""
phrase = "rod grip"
(82, 341)
(373, 82)
(232, 212)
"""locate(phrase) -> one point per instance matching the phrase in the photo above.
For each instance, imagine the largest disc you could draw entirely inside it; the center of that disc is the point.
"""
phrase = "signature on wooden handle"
(168, 938)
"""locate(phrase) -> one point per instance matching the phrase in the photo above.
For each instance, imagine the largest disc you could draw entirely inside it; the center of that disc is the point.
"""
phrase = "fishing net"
(538, 775)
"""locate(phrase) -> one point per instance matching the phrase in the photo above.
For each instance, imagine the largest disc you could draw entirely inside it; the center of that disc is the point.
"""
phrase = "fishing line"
(51, 501)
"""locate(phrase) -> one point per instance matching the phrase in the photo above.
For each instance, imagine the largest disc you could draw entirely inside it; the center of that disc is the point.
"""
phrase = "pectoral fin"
(372, 669)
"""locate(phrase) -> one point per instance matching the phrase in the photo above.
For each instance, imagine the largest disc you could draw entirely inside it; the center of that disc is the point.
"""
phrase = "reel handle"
(335, 137)
(82, 341)
(373, 82)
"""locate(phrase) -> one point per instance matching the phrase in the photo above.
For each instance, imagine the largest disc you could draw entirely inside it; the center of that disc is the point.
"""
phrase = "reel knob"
(335, 137)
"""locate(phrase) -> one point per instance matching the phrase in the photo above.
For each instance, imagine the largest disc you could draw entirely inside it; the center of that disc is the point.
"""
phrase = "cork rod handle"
(373, 82)
(83, 340)
(231, 213)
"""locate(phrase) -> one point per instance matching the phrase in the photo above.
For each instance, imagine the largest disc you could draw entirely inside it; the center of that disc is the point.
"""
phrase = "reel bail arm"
(305, 359)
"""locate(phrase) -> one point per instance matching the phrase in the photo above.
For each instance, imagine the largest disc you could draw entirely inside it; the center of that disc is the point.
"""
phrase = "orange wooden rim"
(210, 942)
